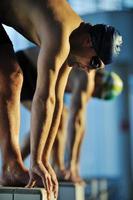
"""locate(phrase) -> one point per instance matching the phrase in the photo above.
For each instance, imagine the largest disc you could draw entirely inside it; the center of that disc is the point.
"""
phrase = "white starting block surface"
(67, 191)
(12, 193)
(70, 191)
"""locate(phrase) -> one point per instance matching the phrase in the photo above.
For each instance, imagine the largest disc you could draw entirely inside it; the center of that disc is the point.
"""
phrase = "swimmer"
(83, 86)
(65, 41)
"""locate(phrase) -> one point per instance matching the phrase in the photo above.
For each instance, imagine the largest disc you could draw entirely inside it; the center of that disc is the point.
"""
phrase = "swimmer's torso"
(31, 18)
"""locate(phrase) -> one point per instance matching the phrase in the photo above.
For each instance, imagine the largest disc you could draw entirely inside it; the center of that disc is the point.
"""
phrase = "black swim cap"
(106, 41)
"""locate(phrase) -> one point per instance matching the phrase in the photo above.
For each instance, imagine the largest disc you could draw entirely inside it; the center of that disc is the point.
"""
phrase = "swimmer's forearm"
(53, 131)
(76, 126)
(41, 118)
(76, 123)
(59, 93)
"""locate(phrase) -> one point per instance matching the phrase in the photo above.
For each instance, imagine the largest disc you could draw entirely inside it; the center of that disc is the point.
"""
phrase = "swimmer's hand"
(38, 171)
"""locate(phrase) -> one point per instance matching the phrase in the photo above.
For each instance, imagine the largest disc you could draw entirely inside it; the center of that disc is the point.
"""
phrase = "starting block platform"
(13, 193)
(67, 191)
(71, 191)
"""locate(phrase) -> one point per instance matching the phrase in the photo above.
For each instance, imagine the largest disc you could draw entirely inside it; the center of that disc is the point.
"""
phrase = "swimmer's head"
(108, 85)
(106, 41)
(92, 47)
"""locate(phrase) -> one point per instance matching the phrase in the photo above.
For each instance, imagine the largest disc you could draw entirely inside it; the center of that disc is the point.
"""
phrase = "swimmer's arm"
(50, 62)
(59, 94)
(43, 105)
(76, 124)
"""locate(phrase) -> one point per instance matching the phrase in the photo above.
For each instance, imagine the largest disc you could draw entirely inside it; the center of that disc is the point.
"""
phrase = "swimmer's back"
(31, 17)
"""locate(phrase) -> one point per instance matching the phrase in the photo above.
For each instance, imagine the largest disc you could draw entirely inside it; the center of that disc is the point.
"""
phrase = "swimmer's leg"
(13, 171)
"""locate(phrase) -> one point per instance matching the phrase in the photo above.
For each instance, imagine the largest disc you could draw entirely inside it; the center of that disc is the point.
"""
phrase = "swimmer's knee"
(11, 81)
(16, 76)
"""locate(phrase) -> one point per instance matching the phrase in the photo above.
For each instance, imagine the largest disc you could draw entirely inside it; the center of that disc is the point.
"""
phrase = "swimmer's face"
(84, 55)
(88, 60)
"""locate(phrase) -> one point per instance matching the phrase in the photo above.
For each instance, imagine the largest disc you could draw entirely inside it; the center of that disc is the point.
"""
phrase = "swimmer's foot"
(68, 176)
(77, 179)
(63, 174)
(14, 174)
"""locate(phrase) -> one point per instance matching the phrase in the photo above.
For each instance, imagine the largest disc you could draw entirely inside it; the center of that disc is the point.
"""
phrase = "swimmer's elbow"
(48, 100)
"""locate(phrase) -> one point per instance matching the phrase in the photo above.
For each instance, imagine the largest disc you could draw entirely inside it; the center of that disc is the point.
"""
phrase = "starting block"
(12, 193)
(71, 191)
(67, 191)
